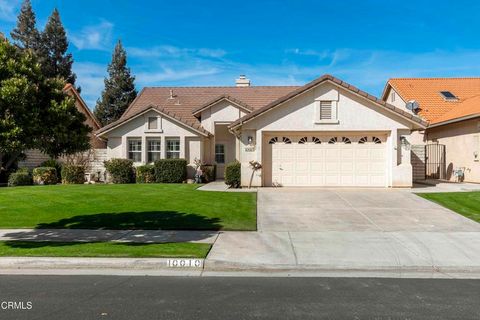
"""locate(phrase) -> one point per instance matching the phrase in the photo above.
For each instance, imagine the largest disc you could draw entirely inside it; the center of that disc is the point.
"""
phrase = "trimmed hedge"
(145, 174)
(233, 174)
(73, 174)
(170, 170)
(45, 175)
(53, 163)
(209, 172)
(121, 170)
(20, 178)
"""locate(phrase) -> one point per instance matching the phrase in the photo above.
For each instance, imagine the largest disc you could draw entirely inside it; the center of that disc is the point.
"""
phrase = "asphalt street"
(117, 297)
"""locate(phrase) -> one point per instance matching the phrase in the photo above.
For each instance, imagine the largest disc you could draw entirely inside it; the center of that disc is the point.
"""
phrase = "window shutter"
(325, 110)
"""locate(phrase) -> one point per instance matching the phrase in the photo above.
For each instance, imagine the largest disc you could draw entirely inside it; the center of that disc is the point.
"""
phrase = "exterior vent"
(242, 81)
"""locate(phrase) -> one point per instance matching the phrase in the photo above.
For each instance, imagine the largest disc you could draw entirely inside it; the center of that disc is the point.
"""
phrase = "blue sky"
(272, 42)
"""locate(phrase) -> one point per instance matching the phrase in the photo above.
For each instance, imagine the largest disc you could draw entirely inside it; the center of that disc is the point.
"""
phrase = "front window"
(220, 153)
(135, 150)
(173, 148)
(154, 150)
(152, 123)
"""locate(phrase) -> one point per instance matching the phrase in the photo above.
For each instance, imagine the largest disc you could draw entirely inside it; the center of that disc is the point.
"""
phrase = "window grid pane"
(173, 148)
(135, 150)
(220, 153)
(154, 150)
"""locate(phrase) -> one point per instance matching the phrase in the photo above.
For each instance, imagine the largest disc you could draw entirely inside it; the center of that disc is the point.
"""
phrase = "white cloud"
(174, 52)
(94, 37)
(90, 77)
(8, 9)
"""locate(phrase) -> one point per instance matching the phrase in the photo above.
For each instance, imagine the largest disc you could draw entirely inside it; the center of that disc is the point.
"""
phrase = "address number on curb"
(185, 263)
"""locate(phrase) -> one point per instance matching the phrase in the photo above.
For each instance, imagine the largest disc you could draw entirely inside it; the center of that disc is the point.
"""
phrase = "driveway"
(379, 231)
(301, 210)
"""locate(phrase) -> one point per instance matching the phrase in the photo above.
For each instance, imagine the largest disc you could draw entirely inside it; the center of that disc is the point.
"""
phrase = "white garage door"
(334, 160)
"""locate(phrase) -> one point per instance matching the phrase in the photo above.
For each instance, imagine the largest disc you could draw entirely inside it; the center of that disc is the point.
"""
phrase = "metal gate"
(435, 167)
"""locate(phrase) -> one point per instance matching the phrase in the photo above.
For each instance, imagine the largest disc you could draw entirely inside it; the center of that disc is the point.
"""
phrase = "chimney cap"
(242, 81)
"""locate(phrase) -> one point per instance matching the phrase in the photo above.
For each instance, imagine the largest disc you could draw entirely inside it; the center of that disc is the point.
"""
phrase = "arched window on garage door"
(332, 140)
(273, 140)
(286, 140)
(376, 140)
(303, 140)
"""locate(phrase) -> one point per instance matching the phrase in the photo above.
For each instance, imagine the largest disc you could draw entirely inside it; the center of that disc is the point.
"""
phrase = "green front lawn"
(464, 203)
(132, 206)
(102, 249)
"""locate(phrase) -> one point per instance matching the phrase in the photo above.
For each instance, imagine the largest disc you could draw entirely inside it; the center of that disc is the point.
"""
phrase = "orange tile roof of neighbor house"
(433, 106)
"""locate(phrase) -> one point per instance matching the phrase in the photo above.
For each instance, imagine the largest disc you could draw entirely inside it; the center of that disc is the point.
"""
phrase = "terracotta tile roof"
(433, 107)
(337, 81)
(188, 99)
(468, 107)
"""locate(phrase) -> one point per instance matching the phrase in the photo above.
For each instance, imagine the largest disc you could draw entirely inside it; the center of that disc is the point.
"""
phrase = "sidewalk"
(86, 235)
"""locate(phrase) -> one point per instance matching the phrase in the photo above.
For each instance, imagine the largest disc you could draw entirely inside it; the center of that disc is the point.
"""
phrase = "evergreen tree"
(25, 34)
(55, 60)
(119, 89)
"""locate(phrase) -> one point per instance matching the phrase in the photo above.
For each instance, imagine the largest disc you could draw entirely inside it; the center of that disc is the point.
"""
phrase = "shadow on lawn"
(52, 244)
(149, 220)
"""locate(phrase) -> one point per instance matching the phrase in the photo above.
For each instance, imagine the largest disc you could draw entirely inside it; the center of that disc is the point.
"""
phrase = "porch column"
(163, 148)
(183, 147)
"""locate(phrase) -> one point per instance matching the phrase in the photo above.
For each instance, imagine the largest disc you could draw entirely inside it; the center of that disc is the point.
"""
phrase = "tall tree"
(119, 89)
(35, 113)
(25, 34)
(55, 60)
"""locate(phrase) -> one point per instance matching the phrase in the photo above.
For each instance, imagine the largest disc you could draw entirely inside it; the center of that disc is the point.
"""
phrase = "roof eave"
(442, 123)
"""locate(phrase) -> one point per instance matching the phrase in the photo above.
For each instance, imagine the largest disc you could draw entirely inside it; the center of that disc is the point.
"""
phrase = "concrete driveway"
(301, 210)
(378, 231)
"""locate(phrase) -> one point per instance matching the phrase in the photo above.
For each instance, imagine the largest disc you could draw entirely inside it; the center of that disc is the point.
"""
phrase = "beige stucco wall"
(354, 114)
(215, 120)
(461, 140)
(191, 143)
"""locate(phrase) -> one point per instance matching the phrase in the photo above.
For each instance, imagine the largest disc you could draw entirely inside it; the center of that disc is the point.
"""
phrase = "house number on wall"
(249, 149)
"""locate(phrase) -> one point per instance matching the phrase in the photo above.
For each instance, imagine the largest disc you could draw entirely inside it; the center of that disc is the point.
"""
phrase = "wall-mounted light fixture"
(250, 140)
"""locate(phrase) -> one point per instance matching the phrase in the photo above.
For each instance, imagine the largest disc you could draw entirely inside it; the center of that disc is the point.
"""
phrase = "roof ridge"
(169, 87)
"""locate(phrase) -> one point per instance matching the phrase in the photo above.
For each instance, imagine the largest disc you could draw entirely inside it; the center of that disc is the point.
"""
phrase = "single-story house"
(325, 133)
(451, 141)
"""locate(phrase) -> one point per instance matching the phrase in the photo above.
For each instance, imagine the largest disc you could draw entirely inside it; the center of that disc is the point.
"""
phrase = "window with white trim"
(154, 148)
(135, 150)
(173, 148)
(152, 123)
(220, 153)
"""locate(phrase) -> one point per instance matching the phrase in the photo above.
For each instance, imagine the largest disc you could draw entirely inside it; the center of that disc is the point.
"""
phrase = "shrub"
(20, 178)
(232, 174)
(53, 163)
(170, 170)
(73, 174)
(209, 172)
(145, 174)
(45, 175)
(121, 170)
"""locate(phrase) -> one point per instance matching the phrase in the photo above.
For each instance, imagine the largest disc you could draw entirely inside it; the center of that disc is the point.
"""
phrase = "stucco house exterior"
(325, 133)
(452, 108)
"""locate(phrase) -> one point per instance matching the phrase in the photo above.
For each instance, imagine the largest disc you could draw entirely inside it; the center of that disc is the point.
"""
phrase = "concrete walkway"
(220, 186)
(84, 235)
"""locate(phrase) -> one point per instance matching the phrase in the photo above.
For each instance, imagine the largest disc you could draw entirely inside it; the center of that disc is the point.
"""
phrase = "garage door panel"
(339, 164)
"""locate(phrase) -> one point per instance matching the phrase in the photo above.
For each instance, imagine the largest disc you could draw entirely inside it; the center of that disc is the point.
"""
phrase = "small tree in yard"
(34, 111)
(119, 88)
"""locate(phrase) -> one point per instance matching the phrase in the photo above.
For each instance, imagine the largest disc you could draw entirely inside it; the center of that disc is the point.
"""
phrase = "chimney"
(242, 81)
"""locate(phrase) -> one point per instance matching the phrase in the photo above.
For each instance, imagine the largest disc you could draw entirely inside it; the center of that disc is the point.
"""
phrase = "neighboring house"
(452, 108)
(34, 157)
(325, 133)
